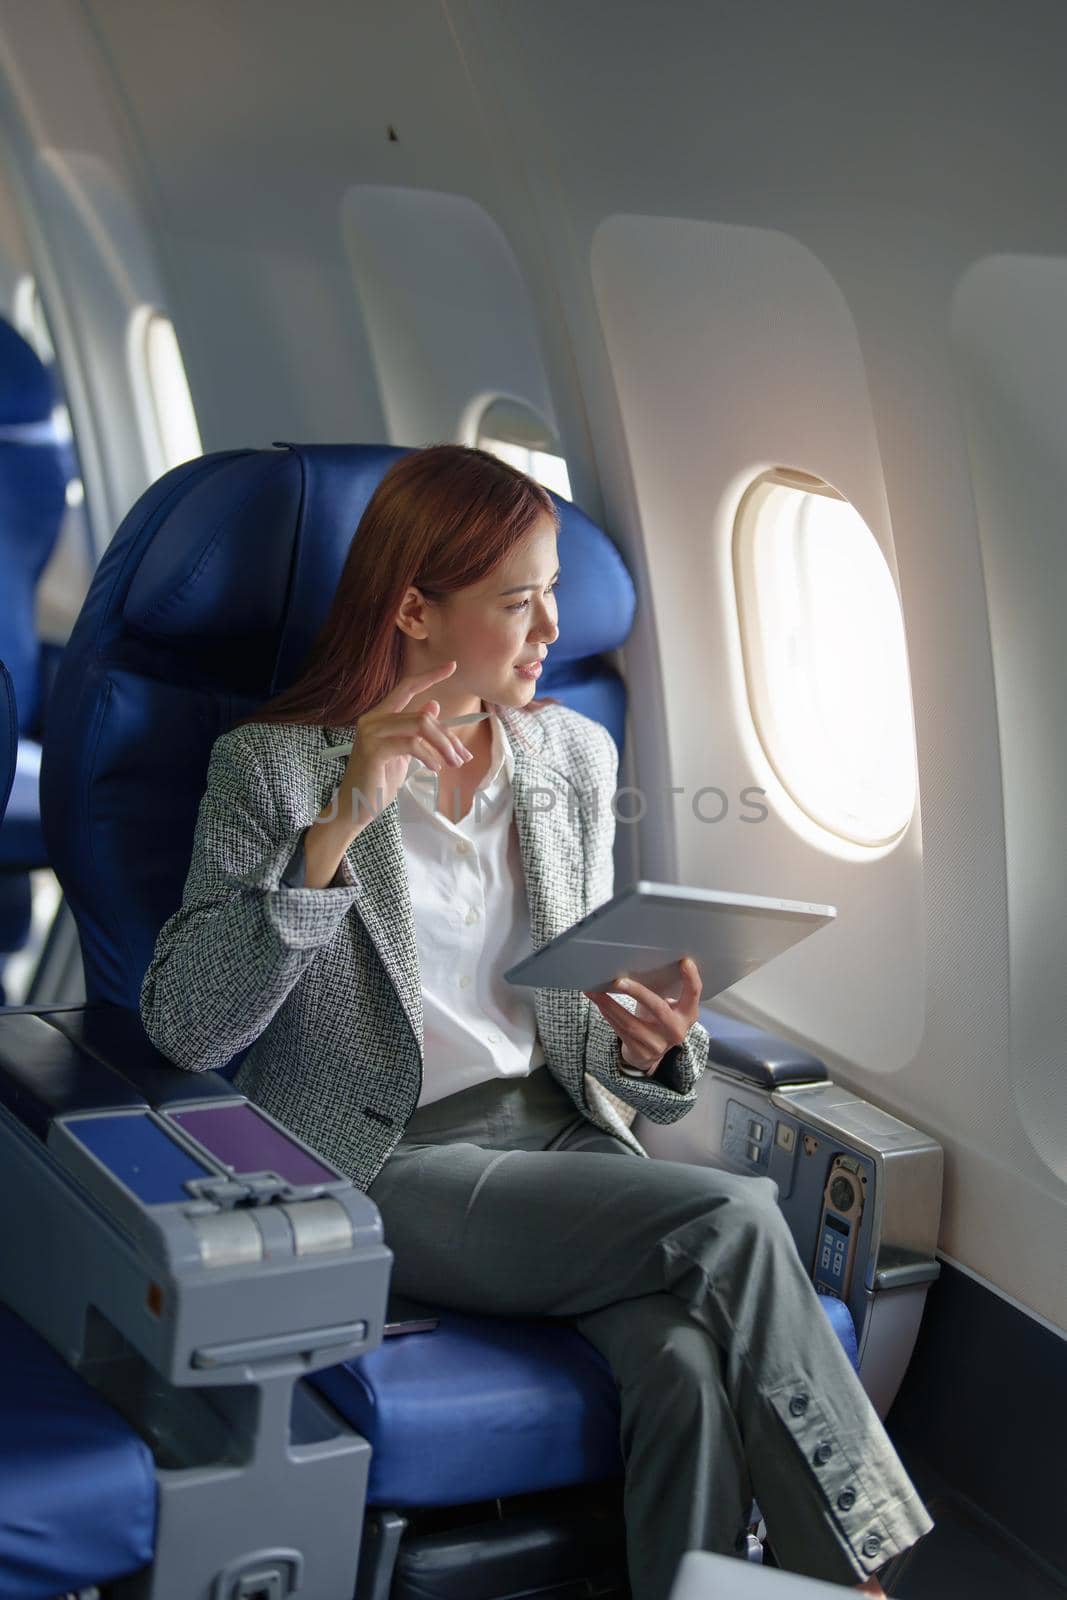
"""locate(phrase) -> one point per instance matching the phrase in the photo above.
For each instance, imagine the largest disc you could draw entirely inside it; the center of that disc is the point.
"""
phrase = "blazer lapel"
(384, 905)
(549, 831)
(550, 839)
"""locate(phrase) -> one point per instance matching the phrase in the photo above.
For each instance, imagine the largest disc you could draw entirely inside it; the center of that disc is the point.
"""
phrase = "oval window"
(825, 656)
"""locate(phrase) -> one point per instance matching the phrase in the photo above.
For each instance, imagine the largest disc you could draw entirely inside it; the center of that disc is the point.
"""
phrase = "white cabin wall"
(448, 316)
(893, 148)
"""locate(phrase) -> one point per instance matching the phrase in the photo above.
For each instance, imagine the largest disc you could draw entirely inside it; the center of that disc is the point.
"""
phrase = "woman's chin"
(513, 691)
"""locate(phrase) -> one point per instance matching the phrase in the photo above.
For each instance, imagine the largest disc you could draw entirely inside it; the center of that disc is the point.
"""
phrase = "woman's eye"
(520, 605)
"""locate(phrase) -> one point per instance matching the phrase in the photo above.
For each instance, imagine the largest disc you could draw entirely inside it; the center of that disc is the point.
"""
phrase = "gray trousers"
(732, 1383)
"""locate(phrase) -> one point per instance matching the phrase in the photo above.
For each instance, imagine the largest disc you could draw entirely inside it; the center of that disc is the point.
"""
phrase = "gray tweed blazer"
(324, 983)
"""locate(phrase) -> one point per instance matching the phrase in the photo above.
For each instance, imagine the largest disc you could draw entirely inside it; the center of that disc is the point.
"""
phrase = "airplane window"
(517, 435)
(27, 313)
(170, 431)
(825, 656)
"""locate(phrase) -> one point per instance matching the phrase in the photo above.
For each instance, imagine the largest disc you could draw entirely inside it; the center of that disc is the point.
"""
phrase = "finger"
(453, 750)
(662, 1009)
(465, 755)
(412, 743)
(670, 1024)
(421, 732)
(429, 755)
(408, 687)
(646, 1040)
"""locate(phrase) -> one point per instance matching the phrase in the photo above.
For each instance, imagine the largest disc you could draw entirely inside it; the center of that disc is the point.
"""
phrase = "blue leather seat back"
(204, 606)
(34, 468)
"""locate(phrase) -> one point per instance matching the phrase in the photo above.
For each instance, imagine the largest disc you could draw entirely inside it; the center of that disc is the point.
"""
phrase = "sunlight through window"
(825, 656)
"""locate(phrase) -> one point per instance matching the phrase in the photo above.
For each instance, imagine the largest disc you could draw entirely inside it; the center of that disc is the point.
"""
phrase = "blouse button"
(472, 915)
(462, 848)
(464, 981)
(494, 1038)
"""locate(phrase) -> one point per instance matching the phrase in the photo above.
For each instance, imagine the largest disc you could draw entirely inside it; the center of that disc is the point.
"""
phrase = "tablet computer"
(645, 930)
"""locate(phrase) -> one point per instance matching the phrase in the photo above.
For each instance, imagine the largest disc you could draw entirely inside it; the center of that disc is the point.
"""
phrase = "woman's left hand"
(658, 1024)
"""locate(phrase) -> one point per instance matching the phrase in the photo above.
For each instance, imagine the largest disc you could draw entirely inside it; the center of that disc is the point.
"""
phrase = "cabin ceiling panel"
(260, 115)
(949, 115)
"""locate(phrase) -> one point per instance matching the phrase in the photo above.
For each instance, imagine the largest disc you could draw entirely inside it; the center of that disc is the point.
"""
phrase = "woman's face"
(489, 628)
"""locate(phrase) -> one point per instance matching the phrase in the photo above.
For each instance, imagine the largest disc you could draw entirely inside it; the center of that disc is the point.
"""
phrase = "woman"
(473, 1113)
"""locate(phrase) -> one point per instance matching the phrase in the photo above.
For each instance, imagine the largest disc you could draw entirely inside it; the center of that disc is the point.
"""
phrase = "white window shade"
(825, 657)
(27, 313)
(516, 434)
(165, 405)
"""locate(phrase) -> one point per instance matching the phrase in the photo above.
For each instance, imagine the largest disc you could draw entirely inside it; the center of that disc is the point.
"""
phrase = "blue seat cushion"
(77, 1486)
(843, 1325)
(482, 1407)
(479, 1407)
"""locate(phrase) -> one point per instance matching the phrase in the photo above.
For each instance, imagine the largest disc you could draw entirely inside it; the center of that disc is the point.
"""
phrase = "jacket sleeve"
(669, 1092)
(225, 961)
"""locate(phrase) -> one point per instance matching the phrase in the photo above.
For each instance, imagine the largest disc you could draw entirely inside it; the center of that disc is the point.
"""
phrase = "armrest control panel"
(190, 1227)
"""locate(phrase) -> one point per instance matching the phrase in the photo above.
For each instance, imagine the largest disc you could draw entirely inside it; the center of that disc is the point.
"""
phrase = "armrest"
(42, 1075)
(192, 1286)
(756, 1057)
(97, 1050)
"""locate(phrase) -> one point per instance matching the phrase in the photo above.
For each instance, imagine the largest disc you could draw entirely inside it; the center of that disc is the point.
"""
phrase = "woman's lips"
(532, 670)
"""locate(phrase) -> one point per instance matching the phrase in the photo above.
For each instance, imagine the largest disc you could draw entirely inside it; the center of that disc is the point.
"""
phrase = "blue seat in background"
(35, 465)
(203, 607)
(77, 1485)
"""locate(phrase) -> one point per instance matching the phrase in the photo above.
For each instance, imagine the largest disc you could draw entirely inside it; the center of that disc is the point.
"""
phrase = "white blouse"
(472, 921)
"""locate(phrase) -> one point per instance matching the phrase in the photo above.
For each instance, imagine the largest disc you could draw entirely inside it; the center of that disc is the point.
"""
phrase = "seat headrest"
(256, 542)
(27, 393)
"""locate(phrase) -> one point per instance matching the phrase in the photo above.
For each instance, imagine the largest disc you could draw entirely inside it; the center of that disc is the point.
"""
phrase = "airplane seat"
(34, 468)
(204, 606)
(77, 1485)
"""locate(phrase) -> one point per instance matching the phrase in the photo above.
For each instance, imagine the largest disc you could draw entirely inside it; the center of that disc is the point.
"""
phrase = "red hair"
(441, 519)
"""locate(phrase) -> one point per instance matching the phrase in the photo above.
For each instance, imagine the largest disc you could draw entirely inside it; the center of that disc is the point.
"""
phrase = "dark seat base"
(563, 1544)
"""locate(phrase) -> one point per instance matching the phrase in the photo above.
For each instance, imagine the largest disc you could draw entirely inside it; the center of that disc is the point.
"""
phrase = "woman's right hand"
(389, 735)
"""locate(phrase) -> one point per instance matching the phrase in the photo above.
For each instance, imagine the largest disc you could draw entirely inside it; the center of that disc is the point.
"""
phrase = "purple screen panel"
(240, 1138)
